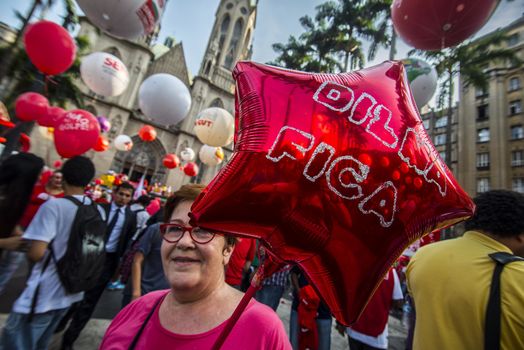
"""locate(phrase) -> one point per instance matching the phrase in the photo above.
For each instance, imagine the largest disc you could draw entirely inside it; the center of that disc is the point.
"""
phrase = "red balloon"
(171, 161)
(76, 132)
(31, 106)
(437, 24)
(101, 144)
(191, 169)
(50, 117)
(49, 47)
(57, 164)
(147, 133)
(298, 179)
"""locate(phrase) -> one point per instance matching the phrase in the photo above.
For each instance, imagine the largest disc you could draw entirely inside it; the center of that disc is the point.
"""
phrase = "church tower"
(230, 41)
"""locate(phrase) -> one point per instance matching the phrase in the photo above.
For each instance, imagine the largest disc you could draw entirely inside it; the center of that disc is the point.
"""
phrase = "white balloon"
(123, 143)
(211, 155)
(164, 98)
(127, 19)
(422, 80)
(104, 73)
(215, 127)
(187, 154)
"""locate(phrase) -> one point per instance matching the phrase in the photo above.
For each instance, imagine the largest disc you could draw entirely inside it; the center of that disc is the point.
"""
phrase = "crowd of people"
(180, 284)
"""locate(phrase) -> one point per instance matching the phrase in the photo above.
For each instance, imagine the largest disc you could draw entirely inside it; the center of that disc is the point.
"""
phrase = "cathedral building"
(213, 86)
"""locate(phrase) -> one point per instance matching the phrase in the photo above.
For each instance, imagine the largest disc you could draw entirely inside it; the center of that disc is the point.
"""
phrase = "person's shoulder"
(267, 325)
(149, 300)
(260, 313)
(137, 310)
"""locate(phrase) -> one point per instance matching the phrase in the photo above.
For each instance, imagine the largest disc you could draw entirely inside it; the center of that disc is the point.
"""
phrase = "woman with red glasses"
(192, 313)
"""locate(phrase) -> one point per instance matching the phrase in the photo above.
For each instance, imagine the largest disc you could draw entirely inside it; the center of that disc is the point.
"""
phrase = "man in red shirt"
(41, 193)
(240, 261)
(370, 332)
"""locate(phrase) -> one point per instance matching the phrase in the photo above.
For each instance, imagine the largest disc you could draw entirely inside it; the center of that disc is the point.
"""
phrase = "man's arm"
(37, 250)
(136, 275)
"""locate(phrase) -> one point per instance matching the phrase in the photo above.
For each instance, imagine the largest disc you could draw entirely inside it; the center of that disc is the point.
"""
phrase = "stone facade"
(230, 41)
(491, 122)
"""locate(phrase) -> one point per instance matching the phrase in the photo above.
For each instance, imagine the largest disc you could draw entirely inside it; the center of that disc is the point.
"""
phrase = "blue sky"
(191, 23)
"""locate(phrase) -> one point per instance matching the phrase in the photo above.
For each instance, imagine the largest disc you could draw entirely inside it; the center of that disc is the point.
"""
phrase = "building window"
(441, 122)
(515, 107)
(480, 92)
(482, 185)
(233, 44)
(224, 27)
(482, 112)
(514, 84)
(443, 155)
(517, 158)
(517, 184)
(517, 132)
(217, 103)
(483, 135)
(426, 124)
(483, 160)
(513, 39)
(440, 139)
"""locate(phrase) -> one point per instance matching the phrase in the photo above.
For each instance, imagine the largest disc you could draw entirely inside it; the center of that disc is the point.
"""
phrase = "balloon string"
(236, 315)
(46, 88)
(267, 267)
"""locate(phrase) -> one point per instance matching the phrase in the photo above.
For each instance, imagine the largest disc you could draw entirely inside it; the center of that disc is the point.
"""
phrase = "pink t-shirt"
(258, 328)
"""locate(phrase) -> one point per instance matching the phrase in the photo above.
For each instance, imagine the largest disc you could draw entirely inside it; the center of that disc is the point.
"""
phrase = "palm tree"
(384, 33)
(311, 51)
(468, 59)
(350, 21)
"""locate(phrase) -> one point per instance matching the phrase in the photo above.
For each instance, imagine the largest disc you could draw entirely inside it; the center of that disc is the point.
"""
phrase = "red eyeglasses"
(173, 233)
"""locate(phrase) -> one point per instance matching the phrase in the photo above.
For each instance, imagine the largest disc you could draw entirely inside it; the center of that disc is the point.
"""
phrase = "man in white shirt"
(51, 225)
(121, 226)
(139, 208)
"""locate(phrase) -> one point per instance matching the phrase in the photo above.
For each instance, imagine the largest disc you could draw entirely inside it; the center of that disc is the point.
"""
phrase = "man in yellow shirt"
(450, 281)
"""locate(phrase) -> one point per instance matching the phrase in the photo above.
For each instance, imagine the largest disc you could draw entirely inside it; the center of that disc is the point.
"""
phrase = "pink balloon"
(49, 47)
(30, 106)
(76, 132)
(51, 116)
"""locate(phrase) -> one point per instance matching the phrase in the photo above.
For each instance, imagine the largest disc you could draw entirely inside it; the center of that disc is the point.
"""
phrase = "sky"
(191, 22)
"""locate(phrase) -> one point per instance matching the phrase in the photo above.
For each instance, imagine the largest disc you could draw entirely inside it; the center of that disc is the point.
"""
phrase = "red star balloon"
(333, 172)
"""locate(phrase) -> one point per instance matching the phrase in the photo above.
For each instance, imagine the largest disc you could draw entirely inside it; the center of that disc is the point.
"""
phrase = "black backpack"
(81, 266)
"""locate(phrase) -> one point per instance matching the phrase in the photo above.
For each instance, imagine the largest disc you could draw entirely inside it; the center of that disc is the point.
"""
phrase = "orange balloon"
(102, 144)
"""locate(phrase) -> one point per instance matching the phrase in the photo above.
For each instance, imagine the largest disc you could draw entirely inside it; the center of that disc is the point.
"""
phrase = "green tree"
(469, 60)
(333, 39)
(311, 51)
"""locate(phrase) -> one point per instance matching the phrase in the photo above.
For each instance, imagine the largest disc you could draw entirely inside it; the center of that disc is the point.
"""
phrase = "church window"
(233, 44)
(229, 6)
(208, 67)
(114, 51)
(217, 103)
(243, 10)
(91, 109)
(224, 27)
